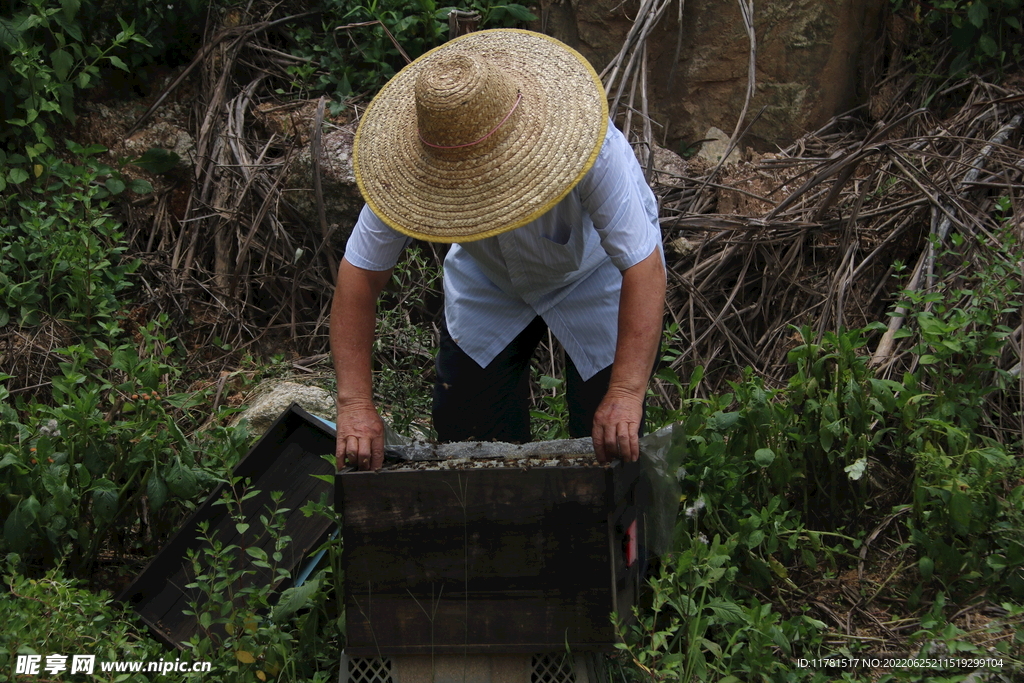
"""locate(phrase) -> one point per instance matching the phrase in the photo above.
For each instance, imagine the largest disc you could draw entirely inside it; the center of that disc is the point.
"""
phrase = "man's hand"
(360, 436)
(617, 425)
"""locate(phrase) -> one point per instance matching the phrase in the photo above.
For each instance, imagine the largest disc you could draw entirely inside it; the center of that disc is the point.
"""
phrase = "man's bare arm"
(641, 306)
(353, 322)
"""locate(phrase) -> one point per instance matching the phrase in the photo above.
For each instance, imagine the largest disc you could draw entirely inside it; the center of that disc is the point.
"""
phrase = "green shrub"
(806, 445)
(61, 251)
(550, 418)
(983, 33)
(105, 455)
(45, 59)
(781, 481)
(701, 627)
(968, 521)
(53, 615)
(173, 29)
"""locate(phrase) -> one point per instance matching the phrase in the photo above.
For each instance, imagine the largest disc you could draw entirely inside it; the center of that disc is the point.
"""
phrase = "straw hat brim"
(550, 143)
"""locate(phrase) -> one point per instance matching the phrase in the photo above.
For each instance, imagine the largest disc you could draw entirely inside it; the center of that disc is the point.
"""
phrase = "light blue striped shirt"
(565, 266)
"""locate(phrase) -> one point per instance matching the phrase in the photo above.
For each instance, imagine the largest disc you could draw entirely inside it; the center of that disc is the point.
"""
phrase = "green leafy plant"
(106, 456)
(550, 418)
(790, 479)
(325, 619)
(968, 522)
(45, 58)
(700, 628)
(838, 418)
(804, 447)
(360, 45)
(169, 29)
(240, 627)
(665, 398)
(56, 615)
(983, 32)
(61, 251)
(493, 15)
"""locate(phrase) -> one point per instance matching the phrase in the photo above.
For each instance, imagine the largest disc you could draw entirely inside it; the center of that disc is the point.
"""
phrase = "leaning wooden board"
(488, 560)
(285, 459)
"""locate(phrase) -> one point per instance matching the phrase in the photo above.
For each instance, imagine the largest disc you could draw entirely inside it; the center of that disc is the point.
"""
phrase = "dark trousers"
(472, 403)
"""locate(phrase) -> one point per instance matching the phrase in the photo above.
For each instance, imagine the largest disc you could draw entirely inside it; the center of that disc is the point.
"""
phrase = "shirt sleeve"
(620, 203)
(373, 245)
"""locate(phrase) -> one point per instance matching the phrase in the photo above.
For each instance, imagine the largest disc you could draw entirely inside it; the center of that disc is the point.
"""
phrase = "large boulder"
(809, 59)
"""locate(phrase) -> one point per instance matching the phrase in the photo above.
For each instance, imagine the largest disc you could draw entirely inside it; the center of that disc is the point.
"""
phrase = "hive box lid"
(486, 560)
(285, 459)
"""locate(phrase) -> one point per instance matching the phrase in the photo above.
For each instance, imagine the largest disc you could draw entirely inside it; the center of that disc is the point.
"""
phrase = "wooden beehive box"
(285, 459)
(512, 560)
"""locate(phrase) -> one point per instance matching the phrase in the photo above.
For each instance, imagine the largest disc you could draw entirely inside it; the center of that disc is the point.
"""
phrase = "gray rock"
(268, 406)
(717, 142)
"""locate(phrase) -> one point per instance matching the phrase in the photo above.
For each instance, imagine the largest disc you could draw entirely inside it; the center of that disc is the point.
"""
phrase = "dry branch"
(840, 208)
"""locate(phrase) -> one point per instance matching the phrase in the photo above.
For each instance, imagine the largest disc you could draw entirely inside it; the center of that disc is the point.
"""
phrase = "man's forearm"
(353, 321)
(641, 307)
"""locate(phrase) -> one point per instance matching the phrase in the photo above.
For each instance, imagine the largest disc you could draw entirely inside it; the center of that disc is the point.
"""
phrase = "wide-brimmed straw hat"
(480, 135)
